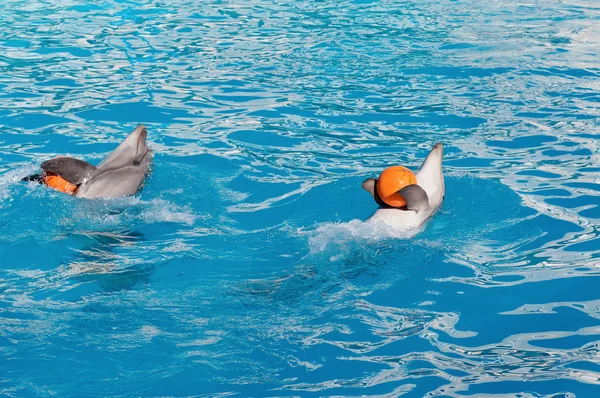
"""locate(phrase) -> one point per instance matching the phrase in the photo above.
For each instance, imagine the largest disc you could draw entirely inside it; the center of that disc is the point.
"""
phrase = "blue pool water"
(241, 268)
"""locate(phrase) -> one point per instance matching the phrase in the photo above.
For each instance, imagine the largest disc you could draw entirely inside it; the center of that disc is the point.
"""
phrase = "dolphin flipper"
(416, 198)
(370, 185)
(73, 170)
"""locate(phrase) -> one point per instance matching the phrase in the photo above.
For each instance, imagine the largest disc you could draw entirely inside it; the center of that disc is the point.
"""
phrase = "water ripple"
(243, 267)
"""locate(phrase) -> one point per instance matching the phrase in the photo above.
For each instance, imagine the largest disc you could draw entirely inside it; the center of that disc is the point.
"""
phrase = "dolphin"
(121, 173)
(422, 198)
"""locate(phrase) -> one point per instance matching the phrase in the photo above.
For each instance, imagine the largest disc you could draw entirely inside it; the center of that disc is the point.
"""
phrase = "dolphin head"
(433, 162)
(122, 172)
(431, 177)
(132, 151)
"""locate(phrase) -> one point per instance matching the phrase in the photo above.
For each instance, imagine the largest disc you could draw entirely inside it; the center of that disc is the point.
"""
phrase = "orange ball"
(391, 181)
(60, 184)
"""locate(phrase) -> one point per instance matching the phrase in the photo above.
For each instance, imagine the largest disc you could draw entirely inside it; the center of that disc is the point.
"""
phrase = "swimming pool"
(240, 269)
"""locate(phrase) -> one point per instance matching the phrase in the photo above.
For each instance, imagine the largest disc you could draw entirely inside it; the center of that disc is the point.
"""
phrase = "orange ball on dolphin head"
(391, 181)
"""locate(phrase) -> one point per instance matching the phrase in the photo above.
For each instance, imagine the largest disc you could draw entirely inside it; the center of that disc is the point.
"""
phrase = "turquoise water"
(240, 269)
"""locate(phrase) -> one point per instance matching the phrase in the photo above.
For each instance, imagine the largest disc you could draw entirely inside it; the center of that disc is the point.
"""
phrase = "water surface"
(241, 268)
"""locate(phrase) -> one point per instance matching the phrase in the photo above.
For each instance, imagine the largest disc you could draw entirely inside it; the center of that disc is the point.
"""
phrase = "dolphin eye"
(136, 162)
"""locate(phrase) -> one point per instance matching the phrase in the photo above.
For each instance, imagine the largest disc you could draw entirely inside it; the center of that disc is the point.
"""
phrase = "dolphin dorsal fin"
(73, 170)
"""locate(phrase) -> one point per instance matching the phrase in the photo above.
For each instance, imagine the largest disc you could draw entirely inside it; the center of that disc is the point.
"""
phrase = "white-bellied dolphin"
(121, 173)
(422, 198)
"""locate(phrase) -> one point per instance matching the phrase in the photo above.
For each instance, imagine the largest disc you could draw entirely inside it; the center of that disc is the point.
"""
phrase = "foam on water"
(353, 232)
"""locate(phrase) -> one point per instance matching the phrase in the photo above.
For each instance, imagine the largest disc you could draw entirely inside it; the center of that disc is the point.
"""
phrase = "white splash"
(341, 233)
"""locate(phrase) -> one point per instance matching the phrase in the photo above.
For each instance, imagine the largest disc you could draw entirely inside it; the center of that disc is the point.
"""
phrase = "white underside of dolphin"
(430, 178)
(121, 173)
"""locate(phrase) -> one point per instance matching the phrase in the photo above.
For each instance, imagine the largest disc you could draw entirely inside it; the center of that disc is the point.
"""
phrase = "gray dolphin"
(121, 173)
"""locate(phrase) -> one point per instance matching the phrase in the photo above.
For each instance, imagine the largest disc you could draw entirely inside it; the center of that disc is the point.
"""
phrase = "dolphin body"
(422, 198)
(121, 173)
